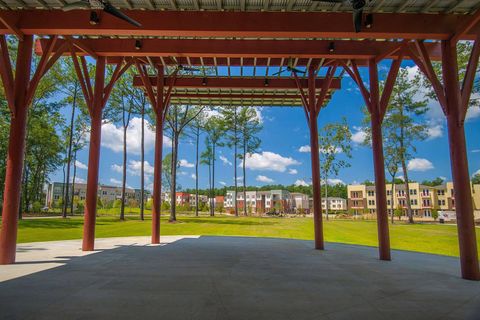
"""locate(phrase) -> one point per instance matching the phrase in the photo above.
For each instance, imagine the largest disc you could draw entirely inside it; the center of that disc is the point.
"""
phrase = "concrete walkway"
(230, 278)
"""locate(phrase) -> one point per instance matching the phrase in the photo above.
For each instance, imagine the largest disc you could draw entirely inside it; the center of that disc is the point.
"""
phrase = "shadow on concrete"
(243, 278)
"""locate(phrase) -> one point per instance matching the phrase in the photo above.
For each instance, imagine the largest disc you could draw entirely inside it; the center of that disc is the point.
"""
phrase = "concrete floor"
(230, 278)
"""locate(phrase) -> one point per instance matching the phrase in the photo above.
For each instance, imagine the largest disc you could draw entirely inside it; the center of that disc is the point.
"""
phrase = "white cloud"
(269, 161)
(473, 112)
(335, 181)
(193, 176)
(115, 182)
(80, 165)
(419, 164)
(305, 149)
(225, 160)
(112, 137)
(78, 180)
(184, 163)
(443, 178)
(476, 172)
(117, 168)
(223, 183)
(134, 168)
(434, 131)
(265, 179)
(292, 171)
(359, 135)
(475, 151)
(301, 182)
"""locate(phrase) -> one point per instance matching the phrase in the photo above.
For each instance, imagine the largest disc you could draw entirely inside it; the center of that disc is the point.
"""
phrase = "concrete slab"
(230, 278)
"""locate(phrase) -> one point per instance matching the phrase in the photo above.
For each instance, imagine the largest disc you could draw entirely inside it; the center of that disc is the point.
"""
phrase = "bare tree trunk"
(326, 195)
(405, 173)
(73, 181)
(409, 205)
(235, 142)
(124, 169)
(210, 185)
(26, 193)
(173, 211)
(196, 171)
(142, 168)
(392, 192)
(22, 191)
(69, 154)
(212, 210)
(244, 178)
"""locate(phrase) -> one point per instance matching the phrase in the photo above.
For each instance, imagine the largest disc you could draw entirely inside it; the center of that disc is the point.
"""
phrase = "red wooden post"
(157, 171)
(94, 157)
(16, 151)
(459, 163)
(317, 194)
(379, 164)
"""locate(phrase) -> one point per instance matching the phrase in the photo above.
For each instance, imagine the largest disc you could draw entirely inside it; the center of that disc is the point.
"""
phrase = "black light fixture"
(94, 18)
(204, 81)
(265, 83)
(138, 44)
(331, 47)
(369, 21)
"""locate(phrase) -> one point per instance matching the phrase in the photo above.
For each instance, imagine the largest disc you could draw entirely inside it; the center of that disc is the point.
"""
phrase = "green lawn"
(438, 239)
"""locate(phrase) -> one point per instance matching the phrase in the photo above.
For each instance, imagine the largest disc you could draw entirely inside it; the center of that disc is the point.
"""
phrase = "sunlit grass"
(430, 238)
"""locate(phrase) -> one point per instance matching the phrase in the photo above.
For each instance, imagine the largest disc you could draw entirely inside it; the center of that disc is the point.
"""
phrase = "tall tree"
(214, 129)
(232, 137)
(392, 161)
(206, 158)
(196, 128)
(404, 124)
(335, 139)
(249, 125)
(178, 118)
(138, 98)
(80, 130)
(69, 87)
(121, 99)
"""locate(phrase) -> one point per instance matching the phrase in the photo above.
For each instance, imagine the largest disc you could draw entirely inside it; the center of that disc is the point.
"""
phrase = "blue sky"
(280, 158)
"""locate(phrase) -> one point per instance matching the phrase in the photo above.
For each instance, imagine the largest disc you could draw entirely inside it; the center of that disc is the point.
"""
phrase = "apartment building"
(334, 204)
(255, 201)
(423, 199)
(201, 199)
(262, 201)
(105, 193)
(300, 202)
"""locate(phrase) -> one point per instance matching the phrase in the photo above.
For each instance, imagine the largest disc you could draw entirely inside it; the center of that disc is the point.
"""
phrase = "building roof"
(396, 6)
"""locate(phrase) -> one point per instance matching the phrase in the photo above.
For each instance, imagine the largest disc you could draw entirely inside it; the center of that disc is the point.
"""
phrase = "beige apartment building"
(423, 199)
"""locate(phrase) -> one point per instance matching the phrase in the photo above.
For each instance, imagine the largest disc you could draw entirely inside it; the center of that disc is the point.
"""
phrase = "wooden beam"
(240, 24)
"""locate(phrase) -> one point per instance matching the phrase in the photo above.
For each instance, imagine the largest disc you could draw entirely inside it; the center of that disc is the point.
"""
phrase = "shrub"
(117, 203)
(165, 206)
(80, 207)
(398, 213)
(133, 203)
(149, 204)
(435, 214)
(36, 207)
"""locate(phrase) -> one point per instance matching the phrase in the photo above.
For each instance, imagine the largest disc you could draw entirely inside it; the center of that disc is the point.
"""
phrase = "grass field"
(438, 239)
